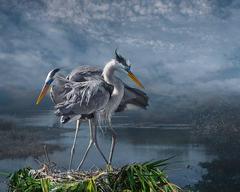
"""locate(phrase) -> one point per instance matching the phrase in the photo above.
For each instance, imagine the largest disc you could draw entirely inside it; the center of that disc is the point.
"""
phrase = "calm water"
(135, 143)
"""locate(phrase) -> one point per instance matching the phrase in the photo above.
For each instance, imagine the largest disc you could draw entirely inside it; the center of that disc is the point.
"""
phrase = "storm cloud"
(176, 47)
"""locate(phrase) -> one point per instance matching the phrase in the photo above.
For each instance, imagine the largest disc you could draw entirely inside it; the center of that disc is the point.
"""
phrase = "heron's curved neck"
(108, 72)
(118, 91)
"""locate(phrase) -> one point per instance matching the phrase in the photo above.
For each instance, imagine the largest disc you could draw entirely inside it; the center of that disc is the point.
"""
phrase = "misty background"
(186, 52)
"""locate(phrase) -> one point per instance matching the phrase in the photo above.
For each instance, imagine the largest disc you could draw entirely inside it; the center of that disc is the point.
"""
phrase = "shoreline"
(25, 141)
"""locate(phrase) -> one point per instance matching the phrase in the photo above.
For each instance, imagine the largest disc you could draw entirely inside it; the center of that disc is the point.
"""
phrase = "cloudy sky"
(175, 46)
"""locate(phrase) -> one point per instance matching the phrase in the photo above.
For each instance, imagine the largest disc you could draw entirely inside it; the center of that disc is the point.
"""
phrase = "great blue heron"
(93, 94)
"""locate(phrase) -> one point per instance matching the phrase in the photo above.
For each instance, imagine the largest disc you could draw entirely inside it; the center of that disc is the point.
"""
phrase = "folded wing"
(132, 96)
(83, 98)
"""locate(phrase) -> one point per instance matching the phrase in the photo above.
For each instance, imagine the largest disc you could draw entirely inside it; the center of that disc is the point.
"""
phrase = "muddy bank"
(23, 141)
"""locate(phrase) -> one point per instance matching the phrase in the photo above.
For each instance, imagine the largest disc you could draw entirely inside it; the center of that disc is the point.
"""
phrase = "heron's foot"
(79, 168)
(70, 166)
(109, 167)
(109, 162)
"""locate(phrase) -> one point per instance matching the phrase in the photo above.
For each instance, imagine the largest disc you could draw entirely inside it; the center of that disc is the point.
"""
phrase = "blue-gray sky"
(175, 46)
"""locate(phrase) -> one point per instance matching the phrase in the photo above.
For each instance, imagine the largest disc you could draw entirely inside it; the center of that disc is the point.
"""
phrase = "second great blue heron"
(93, 94)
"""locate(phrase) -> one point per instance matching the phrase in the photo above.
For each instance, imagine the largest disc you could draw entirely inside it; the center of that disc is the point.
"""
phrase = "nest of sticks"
(136, 177)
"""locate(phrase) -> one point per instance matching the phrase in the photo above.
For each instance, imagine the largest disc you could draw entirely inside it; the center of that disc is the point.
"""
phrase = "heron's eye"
(127, 68)
(49, 81)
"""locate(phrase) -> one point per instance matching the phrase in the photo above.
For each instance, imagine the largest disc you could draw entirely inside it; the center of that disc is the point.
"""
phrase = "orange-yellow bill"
(42, 93)
(135, 79)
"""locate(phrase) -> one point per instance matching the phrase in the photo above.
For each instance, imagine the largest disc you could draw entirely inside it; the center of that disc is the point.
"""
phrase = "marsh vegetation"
(137, 177)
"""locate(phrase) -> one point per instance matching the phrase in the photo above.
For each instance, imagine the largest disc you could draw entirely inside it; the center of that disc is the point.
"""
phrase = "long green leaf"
(45, 184)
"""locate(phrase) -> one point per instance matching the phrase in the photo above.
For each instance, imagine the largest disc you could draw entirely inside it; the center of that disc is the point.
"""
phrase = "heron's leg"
(95, 141)
(85, 155)
(89, 146)
(74, 143)
(114, 136)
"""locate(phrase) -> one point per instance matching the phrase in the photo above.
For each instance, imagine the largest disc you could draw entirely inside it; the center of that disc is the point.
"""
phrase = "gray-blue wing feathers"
(83, 98)
(84, 90)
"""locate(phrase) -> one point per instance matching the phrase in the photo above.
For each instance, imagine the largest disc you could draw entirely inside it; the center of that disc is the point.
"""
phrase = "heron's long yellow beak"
(42, 93)
(135, 79)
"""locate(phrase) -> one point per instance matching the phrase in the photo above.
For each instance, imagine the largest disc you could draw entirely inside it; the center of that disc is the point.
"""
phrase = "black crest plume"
(120, 58)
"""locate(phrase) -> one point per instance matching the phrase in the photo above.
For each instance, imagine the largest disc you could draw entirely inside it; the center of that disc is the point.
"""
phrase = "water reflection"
(223, 173)
(135, 143)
